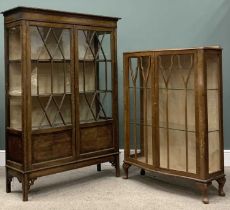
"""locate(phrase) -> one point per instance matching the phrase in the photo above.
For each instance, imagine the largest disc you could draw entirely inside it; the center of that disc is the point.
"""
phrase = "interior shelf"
(50, 60)
(93, 91)
(96, 60)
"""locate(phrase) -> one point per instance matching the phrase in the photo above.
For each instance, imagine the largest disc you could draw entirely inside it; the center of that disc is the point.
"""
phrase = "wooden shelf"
(92, 60)
(15, 61)
(93, 91)
(48, 129)
(51, 60)
(49, 94)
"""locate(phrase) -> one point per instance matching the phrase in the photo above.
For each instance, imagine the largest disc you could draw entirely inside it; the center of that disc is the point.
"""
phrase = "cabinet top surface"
(56, 12)
(216, 47)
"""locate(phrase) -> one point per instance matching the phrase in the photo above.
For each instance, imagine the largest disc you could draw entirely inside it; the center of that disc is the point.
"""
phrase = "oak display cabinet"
(174, 114)
(61, 93)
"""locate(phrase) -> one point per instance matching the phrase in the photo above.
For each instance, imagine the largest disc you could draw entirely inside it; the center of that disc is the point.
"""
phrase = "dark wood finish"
(60, 140)
(203, 170)
(14, 143)
(221, 181)
(96, 138)
(47, 147)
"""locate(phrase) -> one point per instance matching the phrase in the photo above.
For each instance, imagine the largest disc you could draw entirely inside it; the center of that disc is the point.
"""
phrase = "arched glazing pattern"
(177, 139)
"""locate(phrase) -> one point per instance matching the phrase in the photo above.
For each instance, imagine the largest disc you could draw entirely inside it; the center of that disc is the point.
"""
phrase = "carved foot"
(31, 182)
(142, 172)
(204, 190)
(126, 168)
(115, 163)
(99, 167)
(221, 182)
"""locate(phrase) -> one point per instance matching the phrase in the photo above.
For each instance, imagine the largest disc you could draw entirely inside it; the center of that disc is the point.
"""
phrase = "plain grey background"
(145, 25)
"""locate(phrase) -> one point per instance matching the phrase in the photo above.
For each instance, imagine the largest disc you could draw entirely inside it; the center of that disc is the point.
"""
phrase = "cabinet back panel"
(51, 146)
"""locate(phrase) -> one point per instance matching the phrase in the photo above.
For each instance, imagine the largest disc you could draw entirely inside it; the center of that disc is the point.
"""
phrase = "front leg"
(25, 187)
(204, 190)
(221, 181)
(116, 163)
(126, 168)
(8, 181)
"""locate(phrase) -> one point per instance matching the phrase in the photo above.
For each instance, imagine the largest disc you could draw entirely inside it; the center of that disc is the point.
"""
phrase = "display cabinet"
(173, 114)
(61, 93)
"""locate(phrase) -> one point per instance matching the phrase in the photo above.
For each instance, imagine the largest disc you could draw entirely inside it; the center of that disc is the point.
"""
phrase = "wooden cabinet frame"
(149, 122)
(35, 149)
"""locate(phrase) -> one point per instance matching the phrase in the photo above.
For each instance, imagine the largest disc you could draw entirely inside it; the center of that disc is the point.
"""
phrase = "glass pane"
(50, 77)
(140, 109)
(104, 45)
(14, 78)
(213, 110)
(213, 68)
(214, 151)
(87, 109)
(15, 112)
(87, 76)
(15, 87)
(95, 75)
(163, 148)
(14, 43)
(177, 151)
(212, 62)
(86, 48)
(49, 43)
(176, 109)
(105, 76)
(192, 152)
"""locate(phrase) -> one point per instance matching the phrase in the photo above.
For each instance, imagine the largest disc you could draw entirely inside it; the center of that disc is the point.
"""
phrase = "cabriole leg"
(126, 170)
(221, 181)
(204, 190)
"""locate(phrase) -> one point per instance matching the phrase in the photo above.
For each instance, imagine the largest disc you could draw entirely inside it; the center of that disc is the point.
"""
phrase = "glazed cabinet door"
(214, 111)
(14, 92)
(96, 85)
(139, 116)
(176, 118)
(51, 76)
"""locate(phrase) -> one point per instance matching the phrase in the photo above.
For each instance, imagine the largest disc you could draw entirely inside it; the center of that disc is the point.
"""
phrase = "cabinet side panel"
(213, 105)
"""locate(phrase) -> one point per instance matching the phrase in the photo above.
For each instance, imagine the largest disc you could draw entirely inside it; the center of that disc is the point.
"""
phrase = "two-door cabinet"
(61, 93)
(173, 114)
